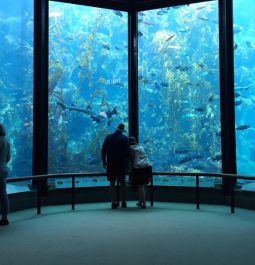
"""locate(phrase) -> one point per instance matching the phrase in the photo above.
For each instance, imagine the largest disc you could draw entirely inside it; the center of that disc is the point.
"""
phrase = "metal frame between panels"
(227, 90)
(133, 73)
(41, 11)
(109, 4)
(40, 115)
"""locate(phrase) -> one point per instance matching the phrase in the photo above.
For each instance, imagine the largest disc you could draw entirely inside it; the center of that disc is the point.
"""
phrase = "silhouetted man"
(115, 155)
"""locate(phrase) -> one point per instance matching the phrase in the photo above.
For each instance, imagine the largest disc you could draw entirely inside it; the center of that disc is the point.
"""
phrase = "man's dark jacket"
(115, 149)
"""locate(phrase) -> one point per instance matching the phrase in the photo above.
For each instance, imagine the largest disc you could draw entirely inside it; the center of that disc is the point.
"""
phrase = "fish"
(118, 13)
(199, 109)
(176, 47)
(147, 23)
(161, 12)
(237, 29)
(181, 151)
(189, 115)
(237, 94)
(139, 33)
(238, 102)
(182, 68)
(139, 20)
(217, 157)
(170, 37)
(164, 84)
(189, 158)
(243, 127)
(149, 90)
(235, 46)
(184, 30)
(244, 87)
(200, 64)
(212, 71)
(147, 81)
(106, 46)
(250, 44)
(218, 134)
(185, 160)
(203, 74)
(151, 105)
(87, 110)
(203, 18)
(211, 98)
(156, 85)
(104, 115)
(200, 7)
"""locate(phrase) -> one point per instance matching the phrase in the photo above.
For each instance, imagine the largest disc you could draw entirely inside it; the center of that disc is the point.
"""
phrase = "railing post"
(151, 187)
(197, 191)
(118, 192)
(73, 192)
(39, 199)
(232, 196)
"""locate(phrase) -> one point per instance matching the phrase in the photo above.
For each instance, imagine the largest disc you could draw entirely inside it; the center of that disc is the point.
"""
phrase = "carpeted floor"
(168, 233)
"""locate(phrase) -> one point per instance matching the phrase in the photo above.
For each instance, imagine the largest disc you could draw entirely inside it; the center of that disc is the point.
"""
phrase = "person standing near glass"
(4, 159)
(115, 157)
(141, 170)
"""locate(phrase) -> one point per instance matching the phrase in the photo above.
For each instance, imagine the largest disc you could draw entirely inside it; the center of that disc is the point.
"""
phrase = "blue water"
(89, 45)
(178, 59)
(179, 108)
(245, 85)
(16, 103)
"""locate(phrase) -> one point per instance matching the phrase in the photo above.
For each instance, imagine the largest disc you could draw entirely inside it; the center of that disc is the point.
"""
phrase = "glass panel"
(244, 57)
(179, 107)
(16, 81)
(88, 84)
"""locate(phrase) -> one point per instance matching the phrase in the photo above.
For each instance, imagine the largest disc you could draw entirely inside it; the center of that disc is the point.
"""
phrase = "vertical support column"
(151, 190)
(197, 192)
(227, 91)
(73, 192)
(133, 71)
(232, 197)
(40, 137)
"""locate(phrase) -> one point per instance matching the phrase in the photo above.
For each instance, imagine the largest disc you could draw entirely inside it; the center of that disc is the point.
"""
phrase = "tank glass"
(88, 85)
(244, 57)
(179, 105)
(16, 83)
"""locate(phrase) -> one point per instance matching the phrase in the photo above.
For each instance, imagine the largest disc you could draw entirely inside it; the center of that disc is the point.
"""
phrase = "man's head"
(121, 127)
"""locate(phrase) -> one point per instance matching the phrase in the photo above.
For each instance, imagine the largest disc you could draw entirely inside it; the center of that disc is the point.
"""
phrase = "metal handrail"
(98, 174)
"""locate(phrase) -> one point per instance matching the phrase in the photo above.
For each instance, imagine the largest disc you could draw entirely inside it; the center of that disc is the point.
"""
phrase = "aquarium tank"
(244, 57)
(179, 104)
(16, 82)
(88, 85)
(178, 87)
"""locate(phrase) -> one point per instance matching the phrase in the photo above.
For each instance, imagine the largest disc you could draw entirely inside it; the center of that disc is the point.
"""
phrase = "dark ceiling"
(127, 5)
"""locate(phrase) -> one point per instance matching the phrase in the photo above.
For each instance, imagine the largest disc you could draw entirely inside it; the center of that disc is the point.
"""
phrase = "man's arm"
(103, 153)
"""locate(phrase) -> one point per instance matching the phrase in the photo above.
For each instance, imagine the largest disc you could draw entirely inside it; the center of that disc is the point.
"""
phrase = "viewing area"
(175, 76)
(191, 232)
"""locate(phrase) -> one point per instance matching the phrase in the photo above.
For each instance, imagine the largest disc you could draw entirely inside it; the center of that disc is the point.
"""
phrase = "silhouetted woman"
(4, 159)
(141, 170)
